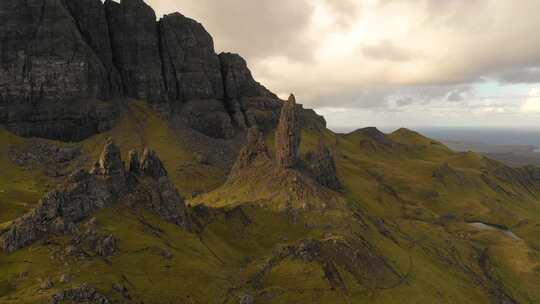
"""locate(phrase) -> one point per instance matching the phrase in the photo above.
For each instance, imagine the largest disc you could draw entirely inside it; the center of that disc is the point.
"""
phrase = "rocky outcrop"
(207, 116)
(254, 150)
(103, 245)
(356, 257)
(48, 70)
(192, 76)
(52, 159)
(157, 193)
(81, 294)
(248, 101)
(57, 212)
(84, 193)
(91, 20)
(151, 165)
(239, 82)
(135, 47)
(110, 161)
(191, 67)
(323, 167)
(288, 135)
(64, 60)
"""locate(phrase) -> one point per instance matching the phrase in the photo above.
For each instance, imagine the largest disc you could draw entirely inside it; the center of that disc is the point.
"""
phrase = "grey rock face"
(248, 101)
(73, 201)
(84, 193)
(167, 203)
(135, 46)
(164, 198)
(63, 61)
(191, 66)
(192, 73)
(46, 67)
(45, 55)
(208, 116)
(288, 135)
(91, 20)
(323, 167)
(239, 82)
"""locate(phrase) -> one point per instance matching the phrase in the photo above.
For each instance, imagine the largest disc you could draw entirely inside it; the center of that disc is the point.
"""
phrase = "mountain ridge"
(113, 50)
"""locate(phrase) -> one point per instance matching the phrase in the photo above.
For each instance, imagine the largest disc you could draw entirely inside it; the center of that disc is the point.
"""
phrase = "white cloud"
(532, 103)
(381, 54)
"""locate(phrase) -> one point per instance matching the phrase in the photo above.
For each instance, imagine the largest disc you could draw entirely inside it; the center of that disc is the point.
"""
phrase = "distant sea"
(491, 136)
(485, 135)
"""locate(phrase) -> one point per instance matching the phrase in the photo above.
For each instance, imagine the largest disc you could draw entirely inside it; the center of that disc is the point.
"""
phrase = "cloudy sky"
(387, 63)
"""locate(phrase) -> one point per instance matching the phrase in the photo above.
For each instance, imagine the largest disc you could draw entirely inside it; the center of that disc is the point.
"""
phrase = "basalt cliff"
(64, 62)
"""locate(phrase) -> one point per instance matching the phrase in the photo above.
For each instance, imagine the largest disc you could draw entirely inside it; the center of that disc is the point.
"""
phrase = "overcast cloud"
(413, 63)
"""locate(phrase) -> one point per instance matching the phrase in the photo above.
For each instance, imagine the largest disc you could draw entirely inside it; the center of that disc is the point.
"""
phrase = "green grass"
(20, 189)
(436, 260)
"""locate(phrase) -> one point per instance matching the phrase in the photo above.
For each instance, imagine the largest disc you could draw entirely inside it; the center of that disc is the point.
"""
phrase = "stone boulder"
(288, 135)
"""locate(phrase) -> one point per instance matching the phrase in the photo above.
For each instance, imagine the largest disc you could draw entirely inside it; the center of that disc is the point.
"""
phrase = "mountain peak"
(117, 53)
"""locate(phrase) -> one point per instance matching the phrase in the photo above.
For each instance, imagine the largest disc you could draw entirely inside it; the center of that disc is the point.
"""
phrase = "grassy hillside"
(399, 232)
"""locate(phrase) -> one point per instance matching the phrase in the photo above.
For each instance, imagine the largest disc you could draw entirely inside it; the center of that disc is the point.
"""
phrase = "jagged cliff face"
(61, 58)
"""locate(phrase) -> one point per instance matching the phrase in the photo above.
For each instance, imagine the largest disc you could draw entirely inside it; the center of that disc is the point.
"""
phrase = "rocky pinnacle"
(288, 135)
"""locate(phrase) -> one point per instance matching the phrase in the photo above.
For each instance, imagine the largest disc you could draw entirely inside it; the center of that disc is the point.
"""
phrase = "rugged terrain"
(138, 166)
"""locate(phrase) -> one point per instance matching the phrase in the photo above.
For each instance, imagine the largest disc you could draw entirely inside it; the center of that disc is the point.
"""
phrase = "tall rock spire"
(288, 135)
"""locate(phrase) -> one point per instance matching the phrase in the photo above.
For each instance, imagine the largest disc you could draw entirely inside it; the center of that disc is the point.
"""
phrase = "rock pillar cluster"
(145, 184)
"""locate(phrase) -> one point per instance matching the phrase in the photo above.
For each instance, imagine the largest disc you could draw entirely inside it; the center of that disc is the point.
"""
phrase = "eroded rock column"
(288, 135)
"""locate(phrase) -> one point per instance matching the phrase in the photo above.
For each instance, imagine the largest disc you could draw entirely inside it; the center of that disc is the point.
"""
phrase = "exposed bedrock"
(47, 67)
(63, 61)
(288, 136)
(85, 192)
(323, 167)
